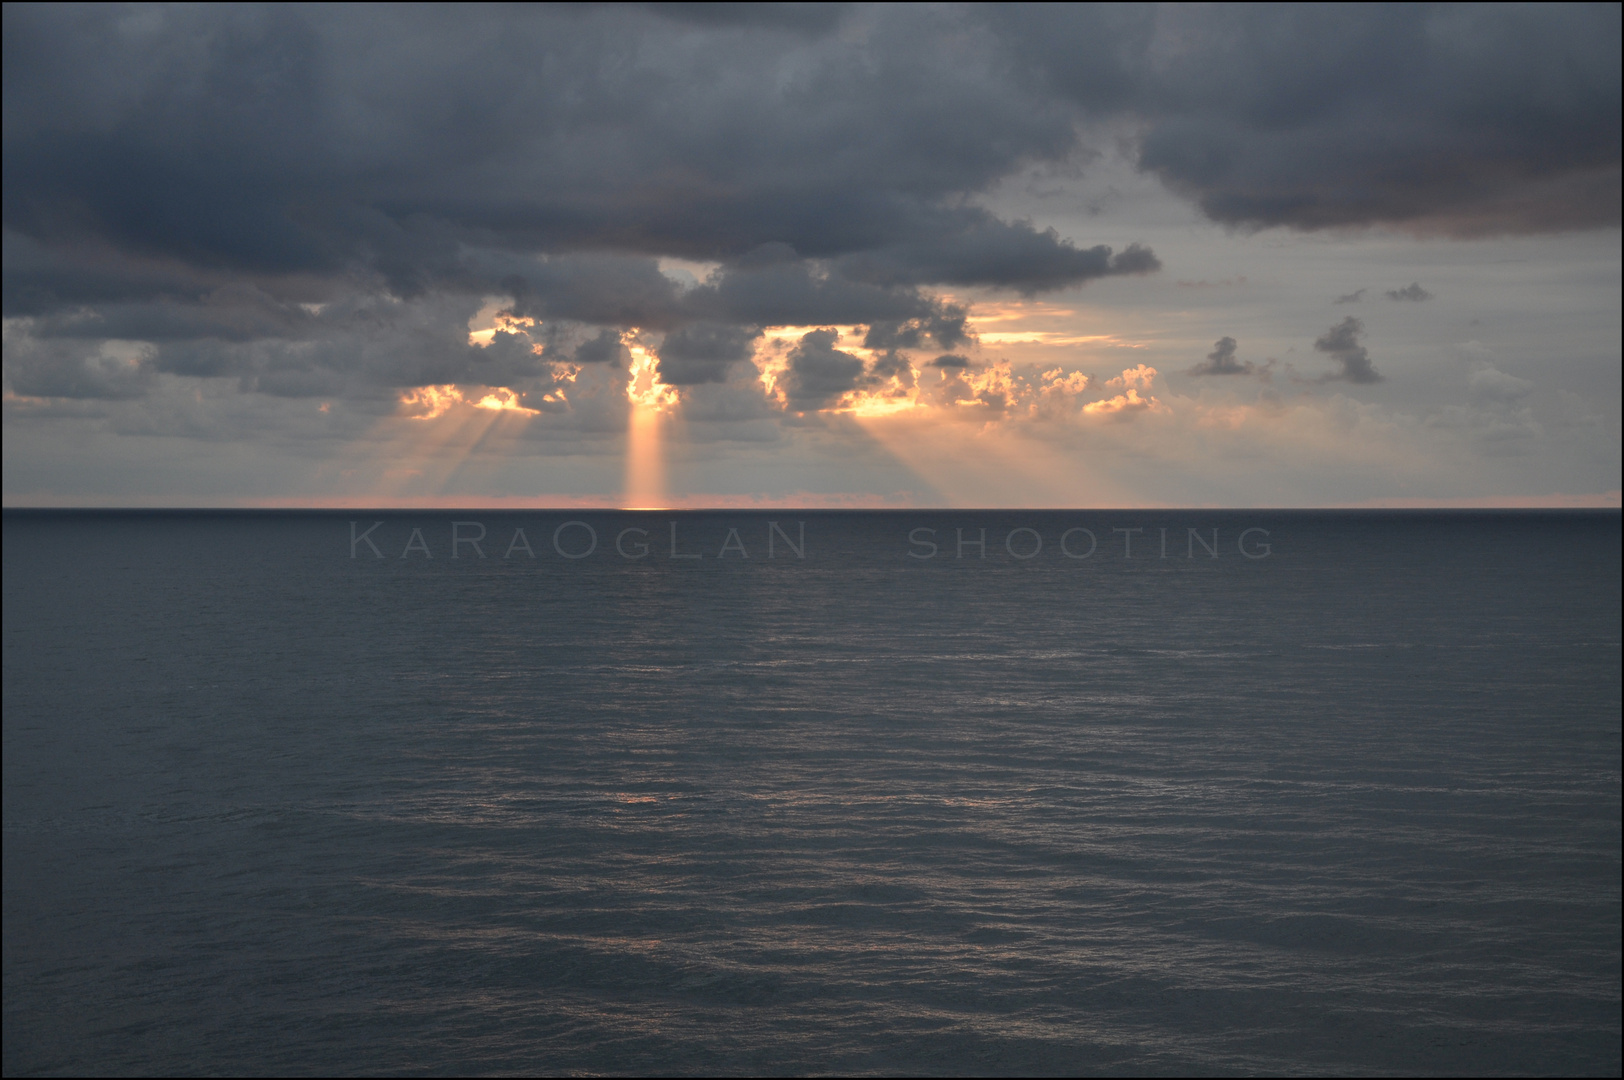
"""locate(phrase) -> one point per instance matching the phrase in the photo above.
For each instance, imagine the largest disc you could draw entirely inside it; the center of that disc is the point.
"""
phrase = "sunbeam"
(645, 457)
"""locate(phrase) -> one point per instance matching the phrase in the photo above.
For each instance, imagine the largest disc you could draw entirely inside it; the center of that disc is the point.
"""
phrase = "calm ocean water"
(1349, 805)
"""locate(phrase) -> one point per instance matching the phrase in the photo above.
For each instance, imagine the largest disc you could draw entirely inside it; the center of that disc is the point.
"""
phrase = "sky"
(710, 255)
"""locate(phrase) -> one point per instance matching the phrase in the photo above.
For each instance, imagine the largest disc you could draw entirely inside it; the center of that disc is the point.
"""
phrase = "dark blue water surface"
(1348, 802)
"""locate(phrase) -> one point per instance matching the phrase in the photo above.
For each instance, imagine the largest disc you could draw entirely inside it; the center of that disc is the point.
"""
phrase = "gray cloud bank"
(313, 200)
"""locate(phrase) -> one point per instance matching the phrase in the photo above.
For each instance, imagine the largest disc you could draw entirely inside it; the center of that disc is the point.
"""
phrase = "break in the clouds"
(291, 203)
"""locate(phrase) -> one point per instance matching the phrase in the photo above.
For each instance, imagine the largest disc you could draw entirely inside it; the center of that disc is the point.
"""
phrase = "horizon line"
(1610, 500)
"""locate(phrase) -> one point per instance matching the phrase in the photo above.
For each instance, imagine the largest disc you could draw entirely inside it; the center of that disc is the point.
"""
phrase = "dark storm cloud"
(603, 289)
(981, 250)
(1412, 292)
(1341, 343)
(278, 140)
(40, 278)
(281, 139)
(1221, 361)
(233, 312)
(261, 181)
(1464, 119)
(703, 352)
(771, 286)
(1355, 297)
(950, 360)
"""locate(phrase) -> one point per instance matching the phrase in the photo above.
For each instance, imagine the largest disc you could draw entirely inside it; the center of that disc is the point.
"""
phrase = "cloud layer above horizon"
(305, 203)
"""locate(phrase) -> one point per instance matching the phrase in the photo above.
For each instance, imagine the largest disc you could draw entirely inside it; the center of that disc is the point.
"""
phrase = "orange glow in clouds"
(433, 402)
(998, 422)
(645, 456)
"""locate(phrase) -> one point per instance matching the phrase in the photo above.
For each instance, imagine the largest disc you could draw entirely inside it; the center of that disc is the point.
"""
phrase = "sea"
(812, 792)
